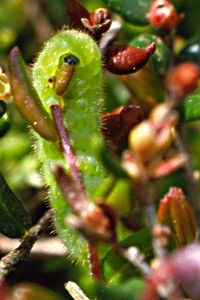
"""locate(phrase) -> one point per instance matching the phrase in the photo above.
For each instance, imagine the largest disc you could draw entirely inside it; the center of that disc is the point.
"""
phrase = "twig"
(75, 291)
(189, 172)
(148, 206)
(50, 246)
(21, 253)
(135, 257)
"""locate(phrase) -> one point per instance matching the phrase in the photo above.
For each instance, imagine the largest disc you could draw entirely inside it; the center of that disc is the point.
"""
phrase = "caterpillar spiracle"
(82, 102)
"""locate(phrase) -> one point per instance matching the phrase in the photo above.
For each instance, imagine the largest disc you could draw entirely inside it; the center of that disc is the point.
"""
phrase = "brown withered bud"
(95, 23)
(117, 124)
(88, 218)
(122, 59)
(163, 15)
(98, 22)
(181, 80)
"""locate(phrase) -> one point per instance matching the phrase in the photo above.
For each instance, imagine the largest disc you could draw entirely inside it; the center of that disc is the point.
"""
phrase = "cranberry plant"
(113, 106)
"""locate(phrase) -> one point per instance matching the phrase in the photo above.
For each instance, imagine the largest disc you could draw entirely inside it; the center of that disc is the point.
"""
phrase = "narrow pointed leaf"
(14, 220)
(26, 98)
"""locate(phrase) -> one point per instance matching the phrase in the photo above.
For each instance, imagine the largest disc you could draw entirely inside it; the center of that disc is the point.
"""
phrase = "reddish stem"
(70, 157)
(68, 151)
(94, 262)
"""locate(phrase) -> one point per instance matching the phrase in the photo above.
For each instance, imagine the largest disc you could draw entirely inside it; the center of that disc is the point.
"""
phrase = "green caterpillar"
(81, 100)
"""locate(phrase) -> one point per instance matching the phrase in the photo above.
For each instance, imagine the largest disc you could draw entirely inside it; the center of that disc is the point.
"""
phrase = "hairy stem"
(94, 262)
(66, 146)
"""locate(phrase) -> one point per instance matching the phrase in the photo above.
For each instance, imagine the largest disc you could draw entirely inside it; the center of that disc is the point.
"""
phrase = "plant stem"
(66, 146)
(148, 207)
(75, 291)
(135, 257)
(189, 172)
(94, 262)
(47, 246)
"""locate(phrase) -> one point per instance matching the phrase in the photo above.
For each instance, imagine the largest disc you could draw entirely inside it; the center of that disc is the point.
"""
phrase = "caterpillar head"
(70, 60)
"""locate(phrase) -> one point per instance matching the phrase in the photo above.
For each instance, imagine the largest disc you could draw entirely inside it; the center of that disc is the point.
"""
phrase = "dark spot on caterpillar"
(51, 79)
(71, 59)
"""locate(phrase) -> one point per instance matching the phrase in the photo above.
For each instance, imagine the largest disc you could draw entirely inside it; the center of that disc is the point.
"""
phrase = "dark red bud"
(117, 124)
(112, 217)
(121, 59)
(97, 23)
(76, 11)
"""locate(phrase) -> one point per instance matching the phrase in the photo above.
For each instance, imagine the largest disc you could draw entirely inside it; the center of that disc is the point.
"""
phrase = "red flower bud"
(163, 15)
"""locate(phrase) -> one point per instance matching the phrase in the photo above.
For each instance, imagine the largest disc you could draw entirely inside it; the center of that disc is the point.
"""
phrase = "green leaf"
(161, 57)
(190, 108)
(14, 220)
(120, 197)
(191, 52)
(115, 268)
(129, 290)
(133, 11)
